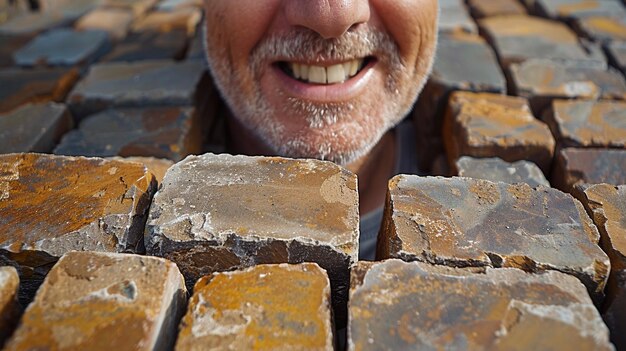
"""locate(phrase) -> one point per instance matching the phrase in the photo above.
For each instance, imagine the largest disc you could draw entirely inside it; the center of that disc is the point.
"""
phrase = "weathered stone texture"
(115, 21)
(491, 125)
(496, 170)
(606, 204)
(580, 123)
(603, 29)
(20, 86)
(593, 166)
(221, 212)
(489, 8)
(266, 307)
(63, 47)
(519, 38)
(186, 19)
(156, 166)
(33, 127)
(9, 307)
(50, 205)
(469, 222)
(139, 84)
(571, 9)
(104, 301)
(149, 45)
(163, 132)
(32, 23)
(542, 81)
(396, 305)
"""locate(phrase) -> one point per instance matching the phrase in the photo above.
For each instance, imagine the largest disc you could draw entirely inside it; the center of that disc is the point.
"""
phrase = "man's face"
(320, 79)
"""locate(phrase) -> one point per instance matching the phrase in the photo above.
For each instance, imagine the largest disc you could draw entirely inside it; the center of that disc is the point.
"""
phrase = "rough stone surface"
(616, 52)
(186, 19)
(489, 8)
(580, 123)
(491, 125)
(476, 70)
(606, 204)
(63, 47)
(156, 166)
(104, 301)
(542, 81)
(115, 21)
(603, 29)
(266, 307)
(518, 38)
(591, 166)
(146, 83)
(454, 17)
(470, 222)
(50, 205)
(36, 85)
(571, 9)
(496, 170)
(163, 132)
(149, 45)
(10, 309)
(396, 305)
(220, 212)
(33, 127)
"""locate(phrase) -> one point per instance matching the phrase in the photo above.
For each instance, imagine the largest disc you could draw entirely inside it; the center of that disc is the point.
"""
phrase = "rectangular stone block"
(476, 70)
(103, 301)
(396, 305)
(593, 166)
(454, 17)
(603, 29)
(606, 204)
(266, 307)
(542, 81)
(139, 84)
(50, 205)
(222, 212)
(33, 127)
(163, 132)
(575, 9)
(496, 170)
(32, 23)
(463, 222)
(586, 123)
(150, 45)
(186, 19)
(491, 125)
(519, 38)
(115, 21)
(137, 7)
(10, 310)
(21, 86)
(70, 9)
(63, 47)
(488, 8)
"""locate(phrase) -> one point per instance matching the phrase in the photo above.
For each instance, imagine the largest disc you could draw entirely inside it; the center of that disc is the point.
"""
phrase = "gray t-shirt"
(406, 163)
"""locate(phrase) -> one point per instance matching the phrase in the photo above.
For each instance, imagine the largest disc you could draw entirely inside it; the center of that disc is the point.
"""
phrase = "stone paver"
(603, 29)
(592, 166)
(454, 17)
(115, 21)
(63, 47)
(580, 123)
(32, 23)
(220, 212)
(266, 307)
(139, 84)
(156, 166)
(33, 127)
(470, 222)
(496, 170)
(489, 8)
(149, 45)
(606, 204)
(10, 309)
(542, 81)
(396, 305)
(616, 52)
(491, 125)
(21, 86)
(104, 301)
(164, 132)
(519, 38)
(186, 19)
(571, 9)
(50, 205)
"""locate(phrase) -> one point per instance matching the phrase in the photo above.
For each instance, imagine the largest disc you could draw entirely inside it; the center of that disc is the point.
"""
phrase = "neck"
(373, 170)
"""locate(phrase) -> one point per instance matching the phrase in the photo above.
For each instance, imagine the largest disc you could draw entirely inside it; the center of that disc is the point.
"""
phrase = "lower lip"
(339, 92)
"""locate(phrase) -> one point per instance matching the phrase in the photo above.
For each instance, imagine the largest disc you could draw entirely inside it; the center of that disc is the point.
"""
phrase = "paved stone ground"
(523, 248)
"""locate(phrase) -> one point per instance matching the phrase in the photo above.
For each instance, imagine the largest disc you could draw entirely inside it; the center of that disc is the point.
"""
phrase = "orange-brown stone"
(603, 29)
(396, 305)
(9, 307)
(115, 21)
(50, 205)
(164, 21)
(266, 307)
(156, 166)
(464, 222)
(489, 8)
(104, 301)
(491, 125)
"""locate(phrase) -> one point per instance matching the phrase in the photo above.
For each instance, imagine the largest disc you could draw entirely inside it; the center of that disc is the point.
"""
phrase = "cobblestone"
(496, 170)
(489, 8)
(115, 21)
(593, 166)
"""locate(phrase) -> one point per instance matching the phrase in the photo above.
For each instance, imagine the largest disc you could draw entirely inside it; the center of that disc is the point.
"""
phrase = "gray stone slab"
(591, 166)
(63, 47)
(602, 29)
(33, 127)
(571, 9)
(454, 17)
(497, 170)
(149, 45)
(138, 84)
(33, 23)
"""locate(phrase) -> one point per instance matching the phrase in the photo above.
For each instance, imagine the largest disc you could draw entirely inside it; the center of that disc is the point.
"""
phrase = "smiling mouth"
(325, 75)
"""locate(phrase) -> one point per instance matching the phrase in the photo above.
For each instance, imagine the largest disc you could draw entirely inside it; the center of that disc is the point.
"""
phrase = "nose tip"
(329, 18)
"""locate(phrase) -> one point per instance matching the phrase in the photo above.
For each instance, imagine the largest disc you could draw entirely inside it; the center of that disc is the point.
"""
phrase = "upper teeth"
(326, 75)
